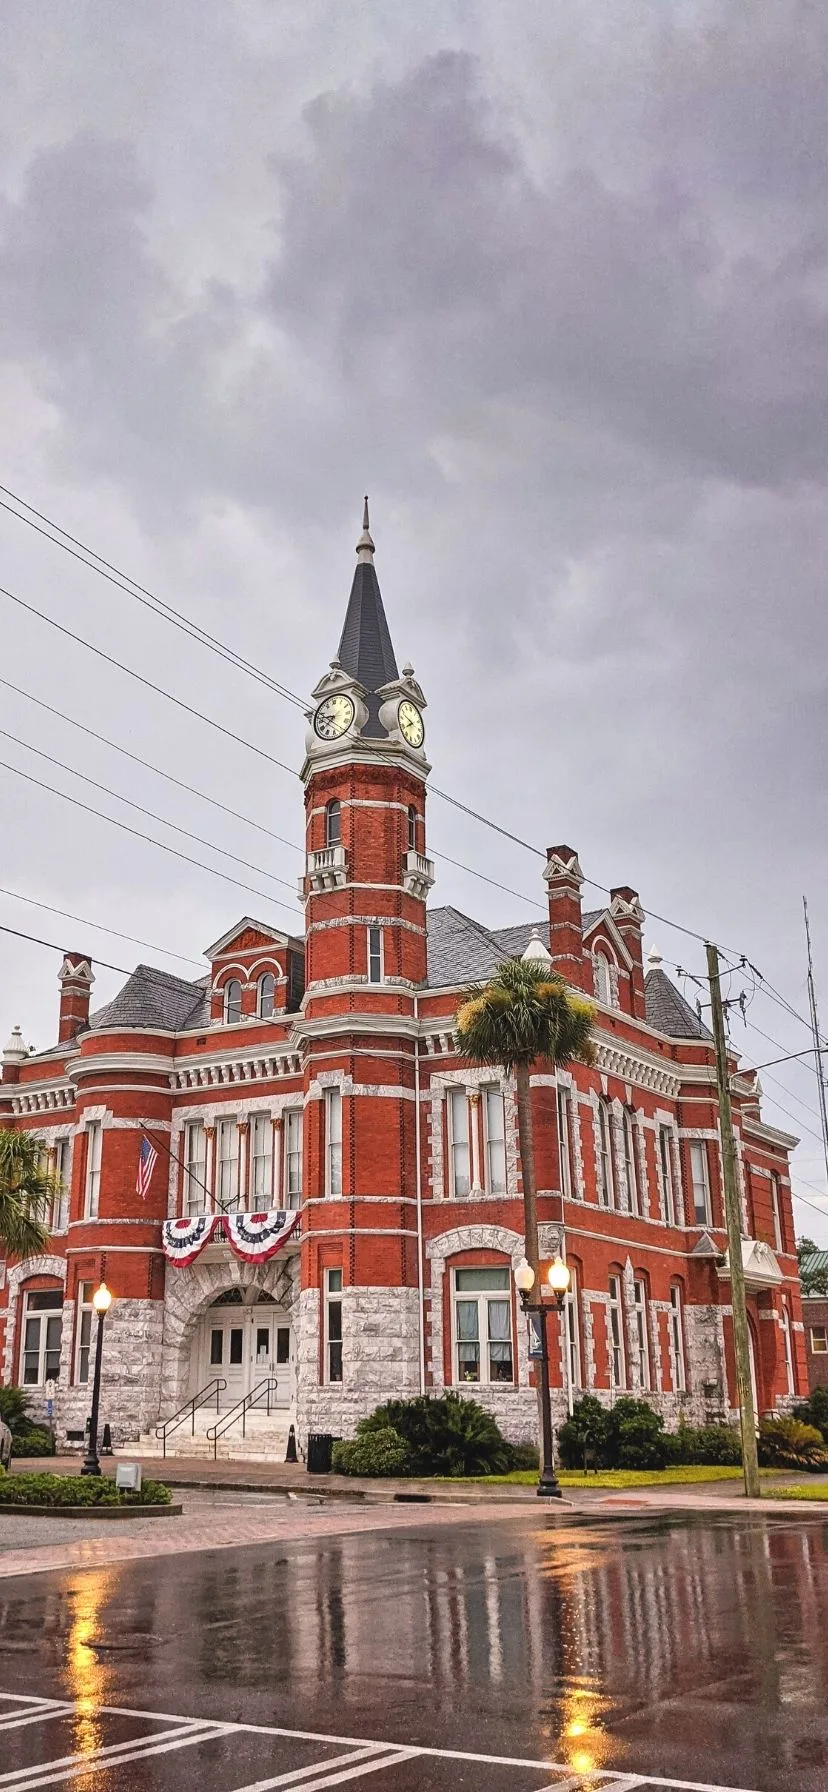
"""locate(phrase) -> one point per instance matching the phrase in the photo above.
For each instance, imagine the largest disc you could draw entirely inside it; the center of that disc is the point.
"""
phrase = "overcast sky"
(550, 284)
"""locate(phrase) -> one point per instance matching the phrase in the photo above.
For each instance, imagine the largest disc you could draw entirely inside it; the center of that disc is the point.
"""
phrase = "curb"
(101, 1511)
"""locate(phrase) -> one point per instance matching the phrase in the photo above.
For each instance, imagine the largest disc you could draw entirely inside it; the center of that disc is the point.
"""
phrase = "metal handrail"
(241, 1409)
(189, 1409)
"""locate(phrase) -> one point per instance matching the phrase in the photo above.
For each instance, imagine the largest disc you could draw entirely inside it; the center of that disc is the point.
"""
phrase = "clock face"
(334, 717)
(411, 723)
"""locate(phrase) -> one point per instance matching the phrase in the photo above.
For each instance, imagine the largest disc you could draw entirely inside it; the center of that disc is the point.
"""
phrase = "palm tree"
(525, 1013)
(27, 1189)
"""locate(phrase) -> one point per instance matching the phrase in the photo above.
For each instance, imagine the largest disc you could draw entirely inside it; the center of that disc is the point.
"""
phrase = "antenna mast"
(823, 1107)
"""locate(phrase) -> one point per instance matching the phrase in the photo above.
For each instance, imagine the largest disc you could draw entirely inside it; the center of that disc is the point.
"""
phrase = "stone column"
(210, 1167)
(474, 1130)
(278, 1193)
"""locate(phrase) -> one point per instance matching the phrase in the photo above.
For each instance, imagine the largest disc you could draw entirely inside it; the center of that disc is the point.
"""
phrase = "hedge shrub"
(712, 1445)
(77, 1490)
(631, 1435)
(380, 1452)
(39, 1441)
(787, 1443)
(15, 1410)
(447, 1435)
(814, 1411)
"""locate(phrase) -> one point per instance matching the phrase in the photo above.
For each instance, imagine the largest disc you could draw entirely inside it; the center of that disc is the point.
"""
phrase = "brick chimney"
(563, 878)
(76, 980)
(628, 916)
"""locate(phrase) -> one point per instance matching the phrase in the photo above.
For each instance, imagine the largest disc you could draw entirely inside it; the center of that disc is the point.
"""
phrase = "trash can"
(320, 1451)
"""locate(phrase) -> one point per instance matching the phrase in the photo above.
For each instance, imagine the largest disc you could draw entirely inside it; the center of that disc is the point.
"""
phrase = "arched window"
(333, 822)
(603, 979)
(675, 1319)
(412, 829)
(232, 1001)
(266, 996)
(641, 1347)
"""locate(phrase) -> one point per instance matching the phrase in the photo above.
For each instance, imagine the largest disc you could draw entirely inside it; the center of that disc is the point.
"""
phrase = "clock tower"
(367, 876)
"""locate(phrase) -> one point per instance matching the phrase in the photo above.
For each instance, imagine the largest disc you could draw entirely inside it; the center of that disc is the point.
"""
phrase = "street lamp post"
(558, 1278)
(101, 1301)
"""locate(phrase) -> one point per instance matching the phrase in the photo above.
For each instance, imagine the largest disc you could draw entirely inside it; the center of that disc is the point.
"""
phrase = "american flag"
(147, 1160)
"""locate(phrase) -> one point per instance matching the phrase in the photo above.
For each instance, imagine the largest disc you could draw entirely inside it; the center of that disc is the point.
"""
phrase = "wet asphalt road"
(694, 1649)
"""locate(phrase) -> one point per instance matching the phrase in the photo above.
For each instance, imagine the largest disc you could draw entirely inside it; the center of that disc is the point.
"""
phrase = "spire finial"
(365, 546)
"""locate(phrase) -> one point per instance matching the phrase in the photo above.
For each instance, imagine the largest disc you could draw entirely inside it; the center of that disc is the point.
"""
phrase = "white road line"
(16, 1719)
(78, 1766)
(287, 1780)
(295, 1776)
(187, 1727)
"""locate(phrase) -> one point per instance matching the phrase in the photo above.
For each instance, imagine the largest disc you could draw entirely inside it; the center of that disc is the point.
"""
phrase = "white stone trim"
(15, 1277)
(450, 1244)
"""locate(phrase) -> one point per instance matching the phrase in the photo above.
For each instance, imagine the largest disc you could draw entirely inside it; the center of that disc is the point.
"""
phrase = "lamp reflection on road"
(584, 1741)
(85, 1675)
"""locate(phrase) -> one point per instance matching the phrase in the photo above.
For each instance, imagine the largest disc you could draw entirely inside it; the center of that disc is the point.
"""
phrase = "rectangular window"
(640, 1332)
(227, 1178)
(573, 1332)
(260, 1182)
(42, 1328)
(459, 1148)
(631, 1162)
(665, 1164)
(776, 1208)
(483, 1326)
(494, 1125)
(676, 1322)
(701, 1182)
(333, 1325)
(605, 1178)
(60, 1204)
(565, 1144)
(375, 955)
(83, 1331)
(615, 1330)
(333, 1141)
(92, 1191)
(293, 1156)
(819, 1340)
(196, 1195)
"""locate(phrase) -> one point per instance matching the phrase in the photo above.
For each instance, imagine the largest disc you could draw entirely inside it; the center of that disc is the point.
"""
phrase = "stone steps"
(265, 1439)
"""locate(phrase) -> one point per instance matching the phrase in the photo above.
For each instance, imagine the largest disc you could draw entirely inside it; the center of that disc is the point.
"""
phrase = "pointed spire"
(365, 545)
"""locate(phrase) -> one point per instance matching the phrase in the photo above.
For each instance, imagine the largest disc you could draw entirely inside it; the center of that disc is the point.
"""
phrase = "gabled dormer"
(257, 973)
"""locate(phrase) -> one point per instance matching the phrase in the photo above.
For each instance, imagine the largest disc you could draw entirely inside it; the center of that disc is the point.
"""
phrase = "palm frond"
(27, 1189)
(524, 1014)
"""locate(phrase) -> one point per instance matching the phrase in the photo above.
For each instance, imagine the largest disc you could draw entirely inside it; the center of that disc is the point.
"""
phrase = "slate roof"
(667, 1010)
(151, 998)
(365, 649)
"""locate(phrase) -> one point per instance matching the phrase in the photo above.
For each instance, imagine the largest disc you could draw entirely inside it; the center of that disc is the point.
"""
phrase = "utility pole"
(741, 1338)
(823, 1108)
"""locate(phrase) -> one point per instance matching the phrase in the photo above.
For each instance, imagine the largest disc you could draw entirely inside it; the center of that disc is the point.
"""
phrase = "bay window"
(494, 1127)
(483, 1326)
(459, 1146)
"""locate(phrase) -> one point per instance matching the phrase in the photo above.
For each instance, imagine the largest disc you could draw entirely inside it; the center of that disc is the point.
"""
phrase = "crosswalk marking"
(70, 1767)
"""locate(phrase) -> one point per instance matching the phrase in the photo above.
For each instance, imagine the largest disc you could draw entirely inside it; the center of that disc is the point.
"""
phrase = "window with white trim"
(412, 829)
(266, 996)
(639, 1327)
(675, 1319)
(565, 1159)
(606, 1189)
(292, 1135)
(483, 1326)
(60, 1202)
(631, 1161)
(494, 1141)
(700, 1177)
(92, 1189)
(573, 1330)
(227, 1165)
(333, 1141)
(232, 1001)
(40, 1336)
(376, 970)
(332, 1370)
(333, 822)
(819, 1340)
(615, 1335)
(459, 1144)
(83, 1331)
(787, 1340)
(260, 1180)
(665, 1165)
(196, 1194)
(776, 1210)
(602, 977)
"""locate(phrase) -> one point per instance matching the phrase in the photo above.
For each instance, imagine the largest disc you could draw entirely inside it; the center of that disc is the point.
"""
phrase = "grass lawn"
(801, 1492)
(682, 1475)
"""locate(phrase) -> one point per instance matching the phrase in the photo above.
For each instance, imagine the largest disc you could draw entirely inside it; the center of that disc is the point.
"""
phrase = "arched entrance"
(244, 1338)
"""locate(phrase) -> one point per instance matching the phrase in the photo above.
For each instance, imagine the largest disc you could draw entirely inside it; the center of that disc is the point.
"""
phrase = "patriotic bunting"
(254, 1237)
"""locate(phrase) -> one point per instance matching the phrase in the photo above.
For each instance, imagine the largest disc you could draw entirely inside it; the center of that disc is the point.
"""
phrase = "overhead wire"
(98, 927)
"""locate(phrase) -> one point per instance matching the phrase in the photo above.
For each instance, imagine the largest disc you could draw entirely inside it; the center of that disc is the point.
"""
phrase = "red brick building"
(315, 1075)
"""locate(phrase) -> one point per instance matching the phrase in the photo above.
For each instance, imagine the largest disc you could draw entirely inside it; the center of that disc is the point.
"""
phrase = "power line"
(98, 927)
(147, 764)
(138, 835)
(119, 798)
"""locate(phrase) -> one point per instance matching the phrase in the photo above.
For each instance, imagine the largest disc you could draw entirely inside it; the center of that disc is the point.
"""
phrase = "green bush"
(446, 1435)
(635, 1435)
(709, 1445)
(585, 1433)
(15, 1410)
(371, 1453)
(39, 1441)
(787, 1443)
(524, 1456)
(77, 1490)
